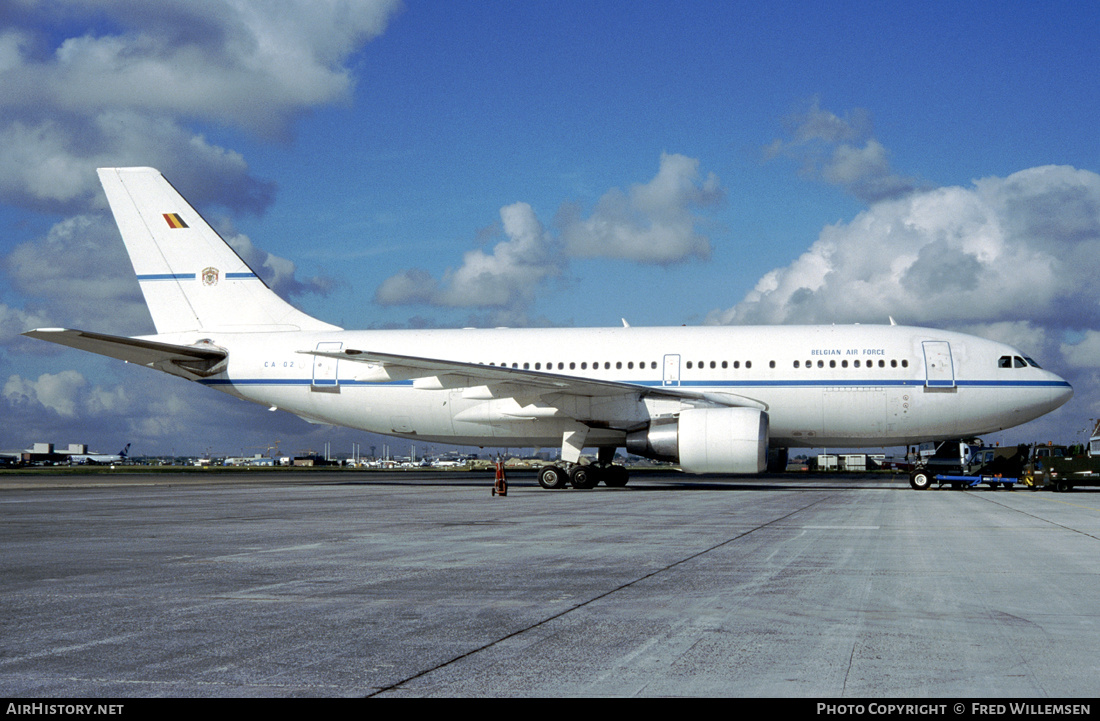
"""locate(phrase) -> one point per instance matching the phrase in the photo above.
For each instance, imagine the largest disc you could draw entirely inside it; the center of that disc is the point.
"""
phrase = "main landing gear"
(583, 476)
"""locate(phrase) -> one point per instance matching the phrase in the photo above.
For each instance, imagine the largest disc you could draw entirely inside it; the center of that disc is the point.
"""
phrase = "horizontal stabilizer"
(201, 359)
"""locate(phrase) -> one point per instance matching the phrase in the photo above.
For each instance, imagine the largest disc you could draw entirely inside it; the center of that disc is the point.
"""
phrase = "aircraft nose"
(1062, 392)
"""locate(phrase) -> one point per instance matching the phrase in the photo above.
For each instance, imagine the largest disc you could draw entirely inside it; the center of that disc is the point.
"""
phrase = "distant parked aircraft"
(99, 458)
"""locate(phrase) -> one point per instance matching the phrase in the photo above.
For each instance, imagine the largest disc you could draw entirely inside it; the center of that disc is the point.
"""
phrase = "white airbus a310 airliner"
(710, 399)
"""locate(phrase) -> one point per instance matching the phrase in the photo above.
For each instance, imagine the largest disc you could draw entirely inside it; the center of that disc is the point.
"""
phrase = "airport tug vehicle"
(967, 464)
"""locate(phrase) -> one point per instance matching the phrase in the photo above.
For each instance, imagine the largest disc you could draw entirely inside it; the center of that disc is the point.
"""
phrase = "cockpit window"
(1015, 361)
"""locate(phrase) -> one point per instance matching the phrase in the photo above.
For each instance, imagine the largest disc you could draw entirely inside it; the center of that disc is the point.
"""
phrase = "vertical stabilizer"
(190, 277)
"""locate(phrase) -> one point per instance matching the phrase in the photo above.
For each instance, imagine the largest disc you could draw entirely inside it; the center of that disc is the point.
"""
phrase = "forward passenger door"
(939, 368)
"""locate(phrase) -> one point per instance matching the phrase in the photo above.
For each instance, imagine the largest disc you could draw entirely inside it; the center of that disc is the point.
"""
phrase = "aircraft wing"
(198, 359)
(501, 381)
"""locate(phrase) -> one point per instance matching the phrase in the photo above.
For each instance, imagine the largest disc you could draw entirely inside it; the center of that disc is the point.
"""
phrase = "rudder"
(190, 277)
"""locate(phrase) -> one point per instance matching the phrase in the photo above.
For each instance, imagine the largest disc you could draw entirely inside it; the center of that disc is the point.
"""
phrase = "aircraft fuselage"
(860, 385)
(712, 399)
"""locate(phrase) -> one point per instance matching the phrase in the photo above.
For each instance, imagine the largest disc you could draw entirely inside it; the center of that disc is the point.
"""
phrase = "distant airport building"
(45, 454)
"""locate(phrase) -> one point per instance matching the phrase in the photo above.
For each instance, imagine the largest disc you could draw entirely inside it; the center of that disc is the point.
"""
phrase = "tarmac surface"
(330, 583)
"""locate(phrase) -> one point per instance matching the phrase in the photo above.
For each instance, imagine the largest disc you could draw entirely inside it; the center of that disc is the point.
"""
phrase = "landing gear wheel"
(920, 481)
(616, 477)
(584, 477)
(552, 477)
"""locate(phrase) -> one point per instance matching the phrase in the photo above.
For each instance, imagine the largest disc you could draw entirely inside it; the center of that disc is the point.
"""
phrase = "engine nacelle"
(707, 440)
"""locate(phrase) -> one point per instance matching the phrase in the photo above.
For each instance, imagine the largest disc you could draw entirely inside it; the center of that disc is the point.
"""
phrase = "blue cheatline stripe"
(193, 276)
(167, 276)
(293, 382)
(658, 384)
(835, 383)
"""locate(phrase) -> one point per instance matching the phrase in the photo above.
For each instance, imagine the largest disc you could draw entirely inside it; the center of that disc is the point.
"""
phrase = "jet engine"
(707, 440)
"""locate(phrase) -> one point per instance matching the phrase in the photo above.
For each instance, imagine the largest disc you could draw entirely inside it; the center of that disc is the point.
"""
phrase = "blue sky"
(549, 163)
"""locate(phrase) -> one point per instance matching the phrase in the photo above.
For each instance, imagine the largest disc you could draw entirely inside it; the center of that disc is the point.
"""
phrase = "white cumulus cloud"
(1001, 250)
(842, 152)
(507, 277)
(126, 96)
(652, 222)
(57, 391)
(79, 275)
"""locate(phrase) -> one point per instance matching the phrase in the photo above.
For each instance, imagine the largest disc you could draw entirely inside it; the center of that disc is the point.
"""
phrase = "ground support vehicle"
(966, 465)
(1063, 473)
(958, 482)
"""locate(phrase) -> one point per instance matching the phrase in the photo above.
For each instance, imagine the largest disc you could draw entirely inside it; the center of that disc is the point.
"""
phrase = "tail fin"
(190, 277)
(125, 451)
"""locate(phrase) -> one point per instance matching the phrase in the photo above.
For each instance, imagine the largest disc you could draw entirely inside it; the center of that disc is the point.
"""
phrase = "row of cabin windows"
(1003, 362)
(561, 365)
(855, 364)
(583, 365)
(725, 364)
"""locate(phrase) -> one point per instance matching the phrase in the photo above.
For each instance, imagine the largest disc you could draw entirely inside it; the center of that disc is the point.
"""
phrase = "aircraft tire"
(920, 481)
(616, 477)
(552, 478)
(583, 477)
